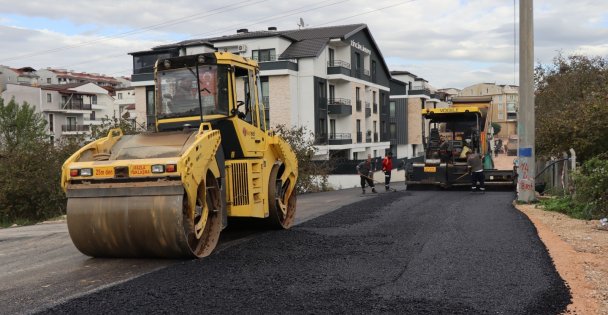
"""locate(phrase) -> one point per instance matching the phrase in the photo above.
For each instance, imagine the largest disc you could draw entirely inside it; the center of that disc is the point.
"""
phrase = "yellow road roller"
(169, 193)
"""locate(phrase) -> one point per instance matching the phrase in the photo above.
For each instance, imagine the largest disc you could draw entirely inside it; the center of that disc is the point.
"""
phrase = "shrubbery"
(30, 166)
(312, 176)
(590, 197)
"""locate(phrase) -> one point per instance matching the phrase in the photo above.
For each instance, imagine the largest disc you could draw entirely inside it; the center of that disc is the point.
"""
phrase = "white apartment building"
(24, 75)
(69, 109)
(62, 76)
(331, 80)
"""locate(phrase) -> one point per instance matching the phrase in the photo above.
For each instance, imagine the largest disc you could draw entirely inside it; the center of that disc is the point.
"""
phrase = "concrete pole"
(527, 168)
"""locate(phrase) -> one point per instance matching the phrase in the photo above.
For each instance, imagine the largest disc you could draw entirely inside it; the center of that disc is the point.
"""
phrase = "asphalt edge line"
(569, 264)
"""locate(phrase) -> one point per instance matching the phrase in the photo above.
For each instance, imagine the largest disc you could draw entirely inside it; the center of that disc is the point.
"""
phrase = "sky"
(450, 43)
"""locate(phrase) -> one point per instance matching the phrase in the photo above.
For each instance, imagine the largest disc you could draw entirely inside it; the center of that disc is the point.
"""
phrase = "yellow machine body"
(169, 193)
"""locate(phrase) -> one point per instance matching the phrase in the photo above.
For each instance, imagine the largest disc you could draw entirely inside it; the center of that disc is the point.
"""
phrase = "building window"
(51, 125)
(150, 115)
(49, 98)
(332, 127)
(393, 131)
(374, 72)
(355, 155)
(48, 80)
(357, 65)
(332, 56)
(71, 124)
(94, 99)
(511, 111)
(501, 111)
(391, 109)
(92, 116)
(262, 55)
(120, 96)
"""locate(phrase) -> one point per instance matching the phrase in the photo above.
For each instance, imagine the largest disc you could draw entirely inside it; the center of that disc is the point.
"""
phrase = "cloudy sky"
(451, 43)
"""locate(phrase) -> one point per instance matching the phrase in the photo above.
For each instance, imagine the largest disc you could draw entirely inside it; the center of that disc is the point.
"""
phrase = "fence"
(555, 175)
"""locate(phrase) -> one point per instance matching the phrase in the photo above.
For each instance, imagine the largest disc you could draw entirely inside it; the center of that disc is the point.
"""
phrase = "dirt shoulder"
(580, 254)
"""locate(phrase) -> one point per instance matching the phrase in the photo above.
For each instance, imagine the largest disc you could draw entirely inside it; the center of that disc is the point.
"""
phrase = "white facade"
(68, 111)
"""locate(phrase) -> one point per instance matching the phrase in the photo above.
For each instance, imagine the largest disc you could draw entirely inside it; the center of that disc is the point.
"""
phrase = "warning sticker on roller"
(140, 170)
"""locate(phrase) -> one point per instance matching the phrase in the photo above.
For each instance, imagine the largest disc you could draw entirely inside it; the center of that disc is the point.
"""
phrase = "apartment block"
(69, 109)
(331, 80)
(505, 102)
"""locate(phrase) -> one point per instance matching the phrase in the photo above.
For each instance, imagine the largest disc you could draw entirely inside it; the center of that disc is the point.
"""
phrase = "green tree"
(30, 166)
(496, 128)
(571, 106)
(20, 126)
(312, 175)
(128, 127)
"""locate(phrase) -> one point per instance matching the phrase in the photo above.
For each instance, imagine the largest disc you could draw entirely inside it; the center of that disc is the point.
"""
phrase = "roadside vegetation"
(312, 175)
(30, 162)
(572, 112)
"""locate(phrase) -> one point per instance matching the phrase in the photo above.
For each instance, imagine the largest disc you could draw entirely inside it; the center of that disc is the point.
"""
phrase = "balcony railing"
(83, 128)
(375, 108)
(76, 104)
(339, 101)
(338, 63)
(358, 105)
(272, 57)
(340, 138)
(321, 138)
(359, 137)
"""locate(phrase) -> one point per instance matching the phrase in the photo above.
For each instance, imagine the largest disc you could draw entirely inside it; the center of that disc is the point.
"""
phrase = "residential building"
(124, 102)
(409, 95)
(331, 80)
(505, 102)
(69, 109)
(61, 76)
(25, 75)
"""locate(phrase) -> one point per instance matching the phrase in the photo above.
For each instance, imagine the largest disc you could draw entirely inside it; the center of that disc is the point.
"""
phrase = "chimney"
(272, 28)
(242, 30)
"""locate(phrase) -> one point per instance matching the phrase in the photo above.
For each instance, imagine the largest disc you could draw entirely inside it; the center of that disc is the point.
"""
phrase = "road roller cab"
(169, 193)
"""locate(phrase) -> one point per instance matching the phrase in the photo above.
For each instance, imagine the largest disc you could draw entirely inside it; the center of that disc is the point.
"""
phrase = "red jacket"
(387, 164)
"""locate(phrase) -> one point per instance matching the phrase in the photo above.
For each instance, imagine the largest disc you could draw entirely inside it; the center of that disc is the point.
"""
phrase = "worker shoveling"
(169, 193)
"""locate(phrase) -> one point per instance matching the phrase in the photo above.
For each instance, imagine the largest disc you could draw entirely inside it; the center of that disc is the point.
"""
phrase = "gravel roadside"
(580, 253)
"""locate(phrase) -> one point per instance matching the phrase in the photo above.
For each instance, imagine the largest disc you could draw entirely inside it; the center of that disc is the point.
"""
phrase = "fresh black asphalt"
(421, 252)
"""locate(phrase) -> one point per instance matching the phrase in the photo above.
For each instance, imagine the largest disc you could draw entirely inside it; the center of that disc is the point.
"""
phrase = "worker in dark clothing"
(476, 169)
(387, 168)
(365, 171)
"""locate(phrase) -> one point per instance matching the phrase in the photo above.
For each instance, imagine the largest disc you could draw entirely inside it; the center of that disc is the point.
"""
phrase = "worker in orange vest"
(387, 168)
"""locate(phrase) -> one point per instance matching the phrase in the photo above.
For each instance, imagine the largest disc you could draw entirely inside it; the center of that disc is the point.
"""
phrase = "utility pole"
(527, 167)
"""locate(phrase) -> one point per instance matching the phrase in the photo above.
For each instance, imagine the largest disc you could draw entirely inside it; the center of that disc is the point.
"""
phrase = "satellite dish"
(301, 24)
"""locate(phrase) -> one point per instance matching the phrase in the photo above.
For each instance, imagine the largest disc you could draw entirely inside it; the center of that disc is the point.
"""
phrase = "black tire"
(202, 243)
(280, 214)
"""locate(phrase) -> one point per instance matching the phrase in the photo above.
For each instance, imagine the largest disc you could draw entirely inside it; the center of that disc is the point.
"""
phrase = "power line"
(368, 12)
(140, 30)
(224, 29)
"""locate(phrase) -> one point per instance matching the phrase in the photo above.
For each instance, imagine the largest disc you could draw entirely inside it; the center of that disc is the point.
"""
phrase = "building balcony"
(358, 105)
(75, 128)
(340, 138)
(359, 136)
(278, 65)
(338, 67)
(321, 138)
(339, 106)
(75, 105)
(420, 91)
(265, 58)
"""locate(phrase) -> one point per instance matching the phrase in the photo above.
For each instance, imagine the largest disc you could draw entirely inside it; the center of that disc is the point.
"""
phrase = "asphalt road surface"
(422, 252)
(40, 267)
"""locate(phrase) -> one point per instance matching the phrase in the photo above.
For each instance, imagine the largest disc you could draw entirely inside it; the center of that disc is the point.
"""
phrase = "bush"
(590, 198)
(312, 176)
(30, 166)
(591, 186)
